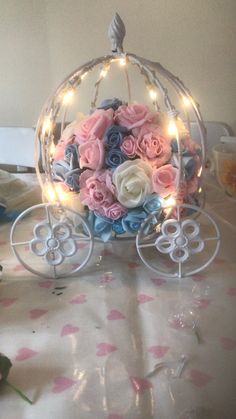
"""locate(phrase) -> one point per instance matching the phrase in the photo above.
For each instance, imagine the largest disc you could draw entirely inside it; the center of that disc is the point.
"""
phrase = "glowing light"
(103, 73)
(172, 129)
(53, 194)
(199, 172)
(186, 101)
(122, 62)
(52, 149)
(170, 202)
(200, 190)
(153, 94)
(68, 96)
(83, 75)
(47, 125)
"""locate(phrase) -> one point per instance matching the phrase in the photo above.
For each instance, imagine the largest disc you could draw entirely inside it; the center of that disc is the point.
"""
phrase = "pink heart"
(25, 353)
(114, 416)
(140, 385)
(201, 302)
(158, 351)
(35, 313)
(115, 315)
(6, 302)
(232, 291)
(133, 265)
(61, 384)
(19, 268)
(45, 284)
(80, 299)
(158, 281)
(104, 349)
(198, 277)
(143, 298)
(228, 343)
(199, 378)
(69, 329)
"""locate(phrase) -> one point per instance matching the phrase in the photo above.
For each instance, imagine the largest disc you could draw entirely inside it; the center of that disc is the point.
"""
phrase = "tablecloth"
(83, 347)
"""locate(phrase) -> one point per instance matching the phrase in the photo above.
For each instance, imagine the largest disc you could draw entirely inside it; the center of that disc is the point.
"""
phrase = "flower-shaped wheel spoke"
(55, 240)
(180, 239)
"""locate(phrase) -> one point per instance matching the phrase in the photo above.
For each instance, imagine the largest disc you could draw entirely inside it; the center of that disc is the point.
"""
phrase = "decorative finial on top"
(116, 33)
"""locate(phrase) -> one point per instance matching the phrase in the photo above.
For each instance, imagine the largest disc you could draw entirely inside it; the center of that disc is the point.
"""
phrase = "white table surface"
(82, 347)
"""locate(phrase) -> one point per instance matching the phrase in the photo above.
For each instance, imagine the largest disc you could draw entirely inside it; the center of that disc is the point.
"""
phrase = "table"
(82, 347)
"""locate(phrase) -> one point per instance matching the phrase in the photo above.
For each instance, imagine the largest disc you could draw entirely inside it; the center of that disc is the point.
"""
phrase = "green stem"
(18, 392)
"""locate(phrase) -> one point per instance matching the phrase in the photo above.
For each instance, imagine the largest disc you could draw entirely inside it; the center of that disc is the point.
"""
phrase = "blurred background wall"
(42, 41)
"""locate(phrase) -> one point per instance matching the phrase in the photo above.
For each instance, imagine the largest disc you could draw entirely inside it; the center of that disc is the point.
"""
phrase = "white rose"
(132, 180)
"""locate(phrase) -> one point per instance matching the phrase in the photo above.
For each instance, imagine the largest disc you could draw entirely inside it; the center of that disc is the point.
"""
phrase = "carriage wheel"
(185, 243)
(59, 240)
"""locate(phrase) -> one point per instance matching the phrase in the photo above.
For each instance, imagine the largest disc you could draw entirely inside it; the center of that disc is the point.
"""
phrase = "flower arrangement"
(123, 163)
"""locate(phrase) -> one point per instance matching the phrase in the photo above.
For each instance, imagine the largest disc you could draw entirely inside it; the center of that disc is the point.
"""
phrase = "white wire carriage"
(174, 235)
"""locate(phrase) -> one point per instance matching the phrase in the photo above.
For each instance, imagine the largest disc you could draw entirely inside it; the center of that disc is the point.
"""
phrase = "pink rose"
(129, 146)
(95, 192)
(132, 116)
(91, 154)
(115, 211)
(94, 126)
(164, 180)
(154, 148)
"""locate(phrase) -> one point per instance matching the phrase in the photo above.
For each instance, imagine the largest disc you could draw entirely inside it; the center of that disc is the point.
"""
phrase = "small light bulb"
(172, 129)
(52, 149)
(103, 73)
(49, 193)
(170, 202)
(55, 193)
(83, 75)
(186, 101)
(122, 62)
(199, 172)
(47, 125)
(153, 94)
(68, 96)
(200, 190)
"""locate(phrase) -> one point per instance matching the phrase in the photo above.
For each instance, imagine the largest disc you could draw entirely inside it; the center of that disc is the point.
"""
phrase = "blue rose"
(114, 158)
(117, 227)
(59, 170)
(152, 203)
(111, 103)
(102, 227)
(189, 168)
(72, 156)
(114, 136)
(72, 179)
(132, 221)
(62, 172)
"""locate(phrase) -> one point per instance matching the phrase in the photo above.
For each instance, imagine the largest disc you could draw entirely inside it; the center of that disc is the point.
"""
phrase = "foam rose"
(164, 180)
(132, 180)
(132, 116)
(95, 191)
(94, 126)
(153, 147)
(91, 154)
(114, 211)
(129, 146)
